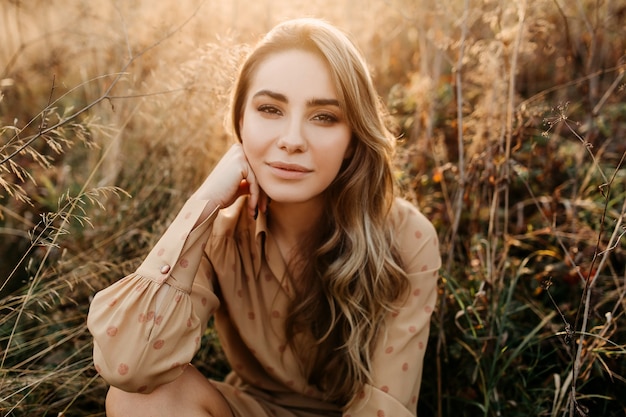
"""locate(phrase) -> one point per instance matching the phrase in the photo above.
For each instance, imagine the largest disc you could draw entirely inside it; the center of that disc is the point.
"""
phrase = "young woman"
(320, 281)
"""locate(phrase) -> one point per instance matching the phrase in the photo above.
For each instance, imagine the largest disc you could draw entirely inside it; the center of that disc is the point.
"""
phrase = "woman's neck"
(289, 223)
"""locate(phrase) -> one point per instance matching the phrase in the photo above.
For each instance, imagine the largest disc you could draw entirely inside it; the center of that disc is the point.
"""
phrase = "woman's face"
(293, 131)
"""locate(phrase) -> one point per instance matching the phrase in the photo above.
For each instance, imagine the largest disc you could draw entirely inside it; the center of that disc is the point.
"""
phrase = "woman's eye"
(269, 109)
(325, 118)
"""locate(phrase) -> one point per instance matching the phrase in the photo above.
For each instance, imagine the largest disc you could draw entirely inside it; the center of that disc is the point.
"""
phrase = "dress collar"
(270, 255)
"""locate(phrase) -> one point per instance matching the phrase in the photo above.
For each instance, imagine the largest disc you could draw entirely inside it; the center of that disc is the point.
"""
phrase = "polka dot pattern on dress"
(247, 285)
(143, 318)
(122, 369)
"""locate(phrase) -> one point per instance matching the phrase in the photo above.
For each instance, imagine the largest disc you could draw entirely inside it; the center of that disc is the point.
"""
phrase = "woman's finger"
(244, 188)
(254, 190)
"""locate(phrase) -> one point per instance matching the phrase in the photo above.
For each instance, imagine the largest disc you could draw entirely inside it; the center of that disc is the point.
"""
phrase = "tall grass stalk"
(485, 97)
(459, 195)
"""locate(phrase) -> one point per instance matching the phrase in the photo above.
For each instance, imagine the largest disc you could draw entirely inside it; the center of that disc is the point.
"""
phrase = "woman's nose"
(292, 139)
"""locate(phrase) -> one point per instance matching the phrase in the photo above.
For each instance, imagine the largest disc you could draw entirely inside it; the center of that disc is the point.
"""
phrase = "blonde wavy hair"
(354, 276)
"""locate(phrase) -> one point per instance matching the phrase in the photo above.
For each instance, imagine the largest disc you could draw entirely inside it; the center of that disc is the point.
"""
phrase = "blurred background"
(511, 118)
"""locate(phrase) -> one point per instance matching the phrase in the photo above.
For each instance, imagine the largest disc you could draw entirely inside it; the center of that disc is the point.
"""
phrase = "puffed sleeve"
(147, 326)
(398, 357)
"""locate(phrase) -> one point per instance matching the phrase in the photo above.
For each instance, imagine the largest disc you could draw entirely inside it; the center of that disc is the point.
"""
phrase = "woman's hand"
(231, 178)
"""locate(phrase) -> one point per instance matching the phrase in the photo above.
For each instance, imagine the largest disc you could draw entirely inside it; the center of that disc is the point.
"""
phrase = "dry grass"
(512, 116)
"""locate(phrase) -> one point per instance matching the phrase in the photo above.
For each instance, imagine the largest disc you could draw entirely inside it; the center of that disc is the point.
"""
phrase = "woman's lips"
(288, 171)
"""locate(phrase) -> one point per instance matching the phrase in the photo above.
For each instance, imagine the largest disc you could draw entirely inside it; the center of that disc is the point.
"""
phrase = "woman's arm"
(148, 325)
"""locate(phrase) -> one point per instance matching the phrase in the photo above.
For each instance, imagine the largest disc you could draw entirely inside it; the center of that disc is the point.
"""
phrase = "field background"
(512, 118)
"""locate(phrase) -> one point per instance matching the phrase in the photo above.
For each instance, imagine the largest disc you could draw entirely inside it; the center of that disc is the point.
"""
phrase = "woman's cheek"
(256, 129)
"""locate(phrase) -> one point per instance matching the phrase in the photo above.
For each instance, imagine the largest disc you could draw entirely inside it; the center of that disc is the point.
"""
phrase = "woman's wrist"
(209, 209)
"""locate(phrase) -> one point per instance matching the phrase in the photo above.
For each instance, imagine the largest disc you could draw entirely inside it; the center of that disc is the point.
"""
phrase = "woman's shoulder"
(414, 237)
(406, 218)
(402, 210)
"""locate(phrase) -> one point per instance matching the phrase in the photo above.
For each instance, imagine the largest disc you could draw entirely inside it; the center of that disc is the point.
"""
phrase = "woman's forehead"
(296, 73)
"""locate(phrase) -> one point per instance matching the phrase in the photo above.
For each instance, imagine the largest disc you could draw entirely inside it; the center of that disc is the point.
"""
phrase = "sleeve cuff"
(176, 257)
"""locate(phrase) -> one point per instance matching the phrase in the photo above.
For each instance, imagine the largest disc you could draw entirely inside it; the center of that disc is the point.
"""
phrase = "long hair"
(354, 276)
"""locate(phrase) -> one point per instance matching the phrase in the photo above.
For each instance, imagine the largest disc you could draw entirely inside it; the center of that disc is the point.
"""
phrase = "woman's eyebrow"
(314, 102)
(272, 94)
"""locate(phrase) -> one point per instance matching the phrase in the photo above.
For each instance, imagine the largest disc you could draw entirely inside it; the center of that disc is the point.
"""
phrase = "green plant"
(511, 124)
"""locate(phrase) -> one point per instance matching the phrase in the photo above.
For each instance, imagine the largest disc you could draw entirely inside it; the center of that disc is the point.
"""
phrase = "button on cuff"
(165, 269)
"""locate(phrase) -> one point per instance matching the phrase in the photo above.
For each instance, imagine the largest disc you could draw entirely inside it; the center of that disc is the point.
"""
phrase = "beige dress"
(230, 267)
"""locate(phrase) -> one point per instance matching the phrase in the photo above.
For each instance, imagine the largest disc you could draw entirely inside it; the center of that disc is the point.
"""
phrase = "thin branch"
(590, 282)
(543, 93)
(511, 98)
(459, 116)
(30, 139)
(107, 93)
(608, 92)
(72, 205)
(460, 191)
